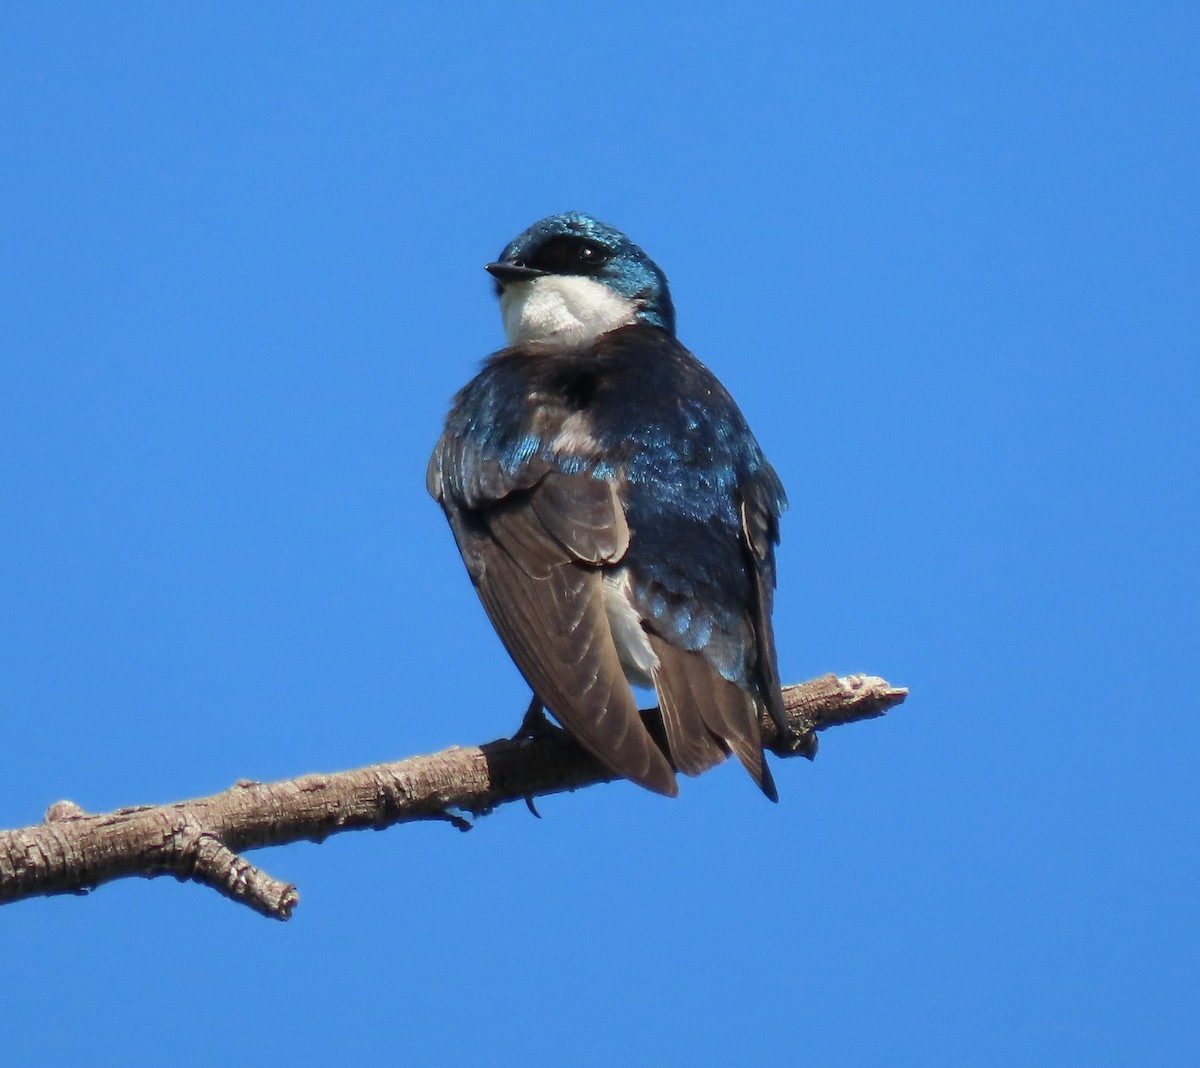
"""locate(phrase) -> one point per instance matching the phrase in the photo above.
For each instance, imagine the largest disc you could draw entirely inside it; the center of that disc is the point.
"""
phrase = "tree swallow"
(615, 513)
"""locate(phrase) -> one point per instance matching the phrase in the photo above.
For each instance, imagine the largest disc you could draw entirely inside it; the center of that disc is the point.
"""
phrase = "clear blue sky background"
(945, 256)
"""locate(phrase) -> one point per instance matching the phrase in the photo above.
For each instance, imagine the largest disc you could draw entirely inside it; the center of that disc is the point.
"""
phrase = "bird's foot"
(535, 725)
(798, 743)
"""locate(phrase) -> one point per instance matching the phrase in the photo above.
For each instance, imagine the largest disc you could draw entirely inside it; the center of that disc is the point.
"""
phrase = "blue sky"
(944, 257)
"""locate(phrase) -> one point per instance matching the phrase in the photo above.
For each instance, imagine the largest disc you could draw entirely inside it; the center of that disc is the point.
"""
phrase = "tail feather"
(706, 716)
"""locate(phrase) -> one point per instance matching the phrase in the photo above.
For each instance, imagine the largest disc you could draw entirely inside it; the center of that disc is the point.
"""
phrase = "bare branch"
(71, 851)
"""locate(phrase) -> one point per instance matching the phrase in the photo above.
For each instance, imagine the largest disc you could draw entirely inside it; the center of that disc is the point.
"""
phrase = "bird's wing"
(535, 556)
(760, 532)
(460, 475)
(702, 647)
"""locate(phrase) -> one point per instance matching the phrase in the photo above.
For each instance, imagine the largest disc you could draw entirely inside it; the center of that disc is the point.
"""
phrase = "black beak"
(513, 272)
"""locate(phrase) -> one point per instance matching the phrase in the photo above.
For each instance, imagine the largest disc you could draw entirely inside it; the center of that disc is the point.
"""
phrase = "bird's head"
(570, 278)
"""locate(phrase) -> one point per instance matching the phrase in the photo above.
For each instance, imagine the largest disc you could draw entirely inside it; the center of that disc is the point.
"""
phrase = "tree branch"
(71, 851)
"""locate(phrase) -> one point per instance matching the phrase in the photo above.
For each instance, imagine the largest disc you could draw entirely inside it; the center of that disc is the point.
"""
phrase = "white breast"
(566, 308)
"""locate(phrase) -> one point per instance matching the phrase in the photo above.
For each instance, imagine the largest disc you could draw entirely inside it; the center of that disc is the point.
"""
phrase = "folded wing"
(536, 557)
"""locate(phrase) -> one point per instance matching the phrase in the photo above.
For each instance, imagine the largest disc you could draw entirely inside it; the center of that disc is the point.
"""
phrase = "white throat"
(559, 307)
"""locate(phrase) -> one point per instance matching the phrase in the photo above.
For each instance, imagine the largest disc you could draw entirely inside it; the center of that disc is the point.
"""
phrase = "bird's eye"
(567, 254)
(591, 255)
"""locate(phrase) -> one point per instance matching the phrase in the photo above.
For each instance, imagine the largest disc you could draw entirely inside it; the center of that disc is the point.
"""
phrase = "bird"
(614, 511)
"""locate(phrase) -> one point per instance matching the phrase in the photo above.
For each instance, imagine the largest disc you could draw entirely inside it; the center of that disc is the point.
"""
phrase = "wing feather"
(759, 534)
(584, 515)
(533, 558)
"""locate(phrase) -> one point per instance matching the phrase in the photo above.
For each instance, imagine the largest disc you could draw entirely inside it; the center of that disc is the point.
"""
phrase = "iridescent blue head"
(570, 278)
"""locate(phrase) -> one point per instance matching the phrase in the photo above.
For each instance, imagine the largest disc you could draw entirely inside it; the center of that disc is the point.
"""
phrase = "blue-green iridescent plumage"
(631, 411)
(633, 274)
(669, 432)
